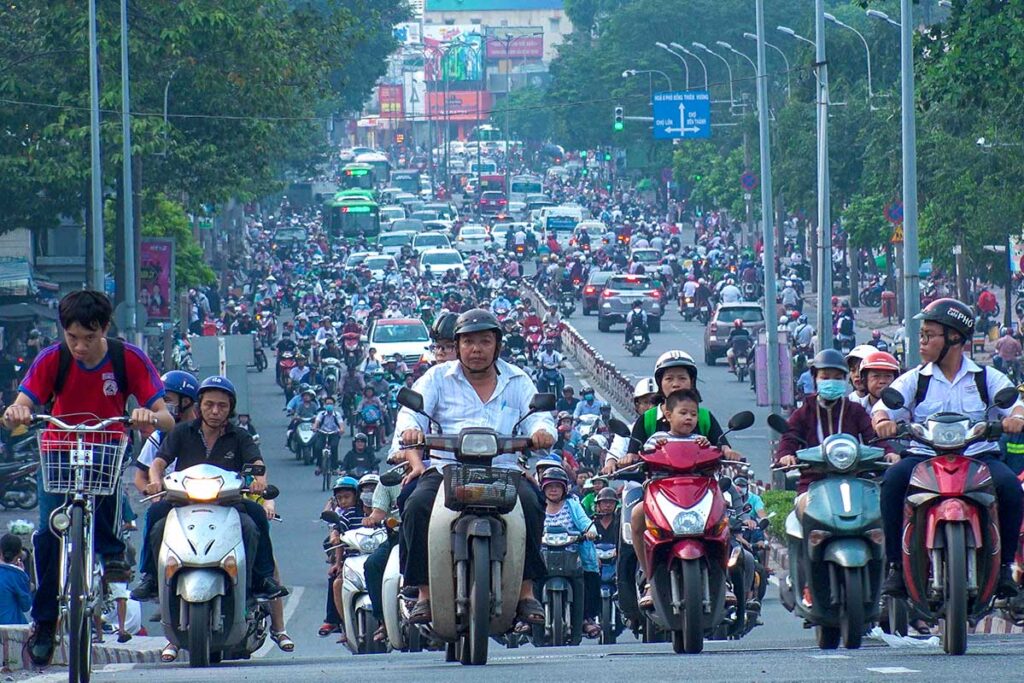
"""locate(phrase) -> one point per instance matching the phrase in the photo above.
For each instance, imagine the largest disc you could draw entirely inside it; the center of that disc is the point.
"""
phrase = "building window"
(449, 22)
(556, 24)
(476, 21)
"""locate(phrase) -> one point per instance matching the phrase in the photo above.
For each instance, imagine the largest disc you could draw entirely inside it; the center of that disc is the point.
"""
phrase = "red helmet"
(737, 323)
(879, 360)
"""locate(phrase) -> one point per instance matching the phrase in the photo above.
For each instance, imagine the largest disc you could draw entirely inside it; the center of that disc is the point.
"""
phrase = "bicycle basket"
(84, 462)
(481, 487)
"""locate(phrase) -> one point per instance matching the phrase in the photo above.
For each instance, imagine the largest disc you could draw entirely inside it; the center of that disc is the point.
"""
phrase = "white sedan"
(441, 261)
(472, 238)
(379, 264)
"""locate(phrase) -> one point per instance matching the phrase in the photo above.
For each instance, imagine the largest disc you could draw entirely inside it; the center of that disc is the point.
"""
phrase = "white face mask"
(366, 497)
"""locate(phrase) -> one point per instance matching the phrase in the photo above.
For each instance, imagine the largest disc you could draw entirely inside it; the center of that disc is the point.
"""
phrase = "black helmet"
(555, 475)
(830, 358)
(477, 320)
(607, 493)
(952, 314)
(443, 328)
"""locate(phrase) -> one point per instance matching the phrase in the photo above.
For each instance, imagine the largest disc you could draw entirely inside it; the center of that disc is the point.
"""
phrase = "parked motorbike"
(18, 487)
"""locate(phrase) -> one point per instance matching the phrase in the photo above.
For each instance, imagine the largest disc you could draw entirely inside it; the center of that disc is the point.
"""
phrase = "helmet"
(346, 484)
(952, 314)
(802, 319)
(830, 358)
(879, 360)
(477, 320)
(546, 462)
(360, 436)
(859, 353)
(443, 328)
(220, 383)
(181, 382)
(554, 475)
(564, 415)
(876, 334)
(674, 359)
(1003, 331)
(607, 493)
(368, 480)
(644, 387)
(599, 477)
(737, 323)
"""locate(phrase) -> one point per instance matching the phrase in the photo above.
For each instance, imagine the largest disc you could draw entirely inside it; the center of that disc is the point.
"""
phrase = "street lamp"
(730, 48)
(834, 20)
(751, 36)
(793, 34)
(728, 67)
(700, 61)
(686, 67)
(875, 14)
(629, 73)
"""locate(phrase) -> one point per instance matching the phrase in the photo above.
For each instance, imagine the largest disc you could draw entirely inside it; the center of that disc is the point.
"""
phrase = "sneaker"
(146, 590)
(894, 585)
(270, 589)
(42, 641)
(1007, 587)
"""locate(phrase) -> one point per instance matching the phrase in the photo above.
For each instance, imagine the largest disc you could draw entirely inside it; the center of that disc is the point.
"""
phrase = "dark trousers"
(591, 594)
(332, 616)
(106, 542)
(255, 533)
(416, 526)
(373, 572)
(1008, 492)
(332, 442)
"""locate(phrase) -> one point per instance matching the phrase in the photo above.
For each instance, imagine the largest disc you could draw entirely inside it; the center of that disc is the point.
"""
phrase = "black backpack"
(115, 347)
(980, 380)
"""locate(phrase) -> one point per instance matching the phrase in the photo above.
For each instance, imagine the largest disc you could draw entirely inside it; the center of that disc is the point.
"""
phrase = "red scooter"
(951, 544)
(688, 539)
(534, 337)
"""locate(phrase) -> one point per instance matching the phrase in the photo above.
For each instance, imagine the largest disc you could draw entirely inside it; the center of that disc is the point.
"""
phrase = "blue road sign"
(682, 114)
(748, 181)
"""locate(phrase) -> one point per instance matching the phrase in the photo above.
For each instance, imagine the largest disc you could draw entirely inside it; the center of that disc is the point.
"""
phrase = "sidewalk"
(138, 650)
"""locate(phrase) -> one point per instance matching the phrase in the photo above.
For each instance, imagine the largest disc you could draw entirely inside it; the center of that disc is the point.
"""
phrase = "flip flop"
(530, 611)
(381, 634)
(169, 653)
(327, 629)
(283, 641)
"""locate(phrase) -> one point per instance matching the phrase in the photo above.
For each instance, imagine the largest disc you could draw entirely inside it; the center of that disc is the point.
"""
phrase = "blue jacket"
(15, 598)
(588, 554)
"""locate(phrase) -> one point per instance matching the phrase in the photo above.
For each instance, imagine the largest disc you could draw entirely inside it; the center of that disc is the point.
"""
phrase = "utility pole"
(767, 218)
(911, 278)
(130, 295)
(97, 270)
(824, 322)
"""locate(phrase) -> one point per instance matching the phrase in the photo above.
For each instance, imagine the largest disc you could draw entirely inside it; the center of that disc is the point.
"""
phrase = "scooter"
(637, 343)
(360, 624)
(687, 540)
(402, 635)
(351, 346)
(476, 536)
(741, 357)
(204, 566)
(951, 512)
(836, 538)
(687, 308)
(285, 363)
(553, 333)
(567, 303)
(18, 487)
(331, 371)
(611, 617)
(534, 337)
(562, 592)
(740, 614)
(258, 355)
(550, 380)
(304, 437)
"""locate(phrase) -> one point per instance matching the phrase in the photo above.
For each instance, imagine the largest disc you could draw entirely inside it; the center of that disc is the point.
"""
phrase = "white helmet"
(860, 353)
(368, 479)
(645, 387)
(674, 359)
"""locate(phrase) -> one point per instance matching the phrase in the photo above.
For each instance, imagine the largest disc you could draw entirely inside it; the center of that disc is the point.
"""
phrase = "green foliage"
(780, 502)
(162, 217)
(527, 119)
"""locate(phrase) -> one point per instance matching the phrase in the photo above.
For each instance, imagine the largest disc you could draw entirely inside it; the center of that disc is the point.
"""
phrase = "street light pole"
(789, 91)
(703, 66)
(728, 67)
(686, 67)
(730, 48)
(911, 277)
(767, 218)
(127, 186)
(867, 49)
(824, 199)
(97, 269)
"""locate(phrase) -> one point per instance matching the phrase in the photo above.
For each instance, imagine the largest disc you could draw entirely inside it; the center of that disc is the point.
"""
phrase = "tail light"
(656, 294)
(589, 289)
(502, 202)
(607, 294)
(713, 328)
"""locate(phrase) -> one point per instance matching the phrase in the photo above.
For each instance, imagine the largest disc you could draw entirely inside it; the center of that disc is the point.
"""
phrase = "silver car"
(619, 294)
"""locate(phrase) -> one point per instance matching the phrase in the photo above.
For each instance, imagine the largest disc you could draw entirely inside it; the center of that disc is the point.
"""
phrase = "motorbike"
(267, 327)
(18, 487)
(871, 296)
(741, 356)
(371, 418)
(534, 337)
(637, 342)
(750, 291)
(611, 617)
(741, 613)
(687, 307)
(330, 369)
(351, 346)
(550, 380)
(285, 363)
(562, 591)
(950, 513)
(403, 636)
(476, 536)
(360, 624)
(258, 355)
(837, 536)
(704, 313)
(687, 539)
(204, 601)
(553, 333)
(567, 303)
(304, 437)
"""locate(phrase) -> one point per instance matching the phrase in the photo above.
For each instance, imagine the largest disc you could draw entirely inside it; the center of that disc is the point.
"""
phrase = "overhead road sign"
(682, 114)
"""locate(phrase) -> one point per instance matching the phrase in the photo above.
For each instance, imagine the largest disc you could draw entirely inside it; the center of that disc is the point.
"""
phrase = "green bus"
(349, 218)
(357, 177)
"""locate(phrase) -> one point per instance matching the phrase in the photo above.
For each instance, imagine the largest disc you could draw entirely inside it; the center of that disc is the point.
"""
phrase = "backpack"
(115, 349)
(979, 380)
(846, 325)
(651, 421)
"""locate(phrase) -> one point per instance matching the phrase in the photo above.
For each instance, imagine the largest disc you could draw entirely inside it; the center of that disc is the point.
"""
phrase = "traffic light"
(607, 156)
(619, 124)
(583, 154)
(585, 171)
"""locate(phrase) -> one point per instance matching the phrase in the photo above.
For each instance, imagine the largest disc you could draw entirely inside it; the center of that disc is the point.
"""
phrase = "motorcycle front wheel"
(954, 635)
(479, 602)
(690, 639)
(852, 608)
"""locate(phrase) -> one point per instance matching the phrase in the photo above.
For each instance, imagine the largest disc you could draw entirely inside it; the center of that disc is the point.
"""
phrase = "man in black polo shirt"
(214, 440)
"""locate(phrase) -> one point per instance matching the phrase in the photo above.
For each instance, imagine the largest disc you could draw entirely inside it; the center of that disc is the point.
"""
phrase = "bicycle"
(80, 462)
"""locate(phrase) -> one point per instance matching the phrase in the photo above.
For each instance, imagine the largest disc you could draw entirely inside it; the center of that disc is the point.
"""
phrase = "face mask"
(831, 389)
(330, 408)
(366, 497)
(172, 408)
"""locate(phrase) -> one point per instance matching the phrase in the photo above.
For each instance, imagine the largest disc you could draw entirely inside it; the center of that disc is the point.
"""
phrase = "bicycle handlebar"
(64, 426)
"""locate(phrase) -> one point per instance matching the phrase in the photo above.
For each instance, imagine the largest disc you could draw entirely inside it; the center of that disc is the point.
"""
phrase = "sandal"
(381, 634)
(590, 629)
(327, 629)
(124, 637)
(530, 611)
(420, 614)
(169, 653)
(647, 601)
(342, 639)
(283, 641)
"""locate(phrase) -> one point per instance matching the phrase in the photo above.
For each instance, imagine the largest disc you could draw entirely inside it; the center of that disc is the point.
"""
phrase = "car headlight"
(688, 523)
(202, 489)
(841, 453)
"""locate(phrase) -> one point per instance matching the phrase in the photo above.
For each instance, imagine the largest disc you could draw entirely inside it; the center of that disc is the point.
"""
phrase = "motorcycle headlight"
(479, 445)
(555, 539)
(841, 453)
(688, 523)
(948, 434)
(202, 489)
(368, 544)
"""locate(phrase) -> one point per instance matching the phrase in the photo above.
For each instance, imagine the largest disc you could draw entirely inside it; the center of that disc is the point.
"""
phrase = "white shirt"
(148, 452)
(731, 294)
(689, 287)
(958, 396)
(450, 399)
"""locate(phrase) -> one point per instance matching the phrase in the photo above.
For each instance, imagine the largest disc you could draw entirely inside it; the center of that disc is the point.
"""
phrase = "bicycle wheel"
(80, 624)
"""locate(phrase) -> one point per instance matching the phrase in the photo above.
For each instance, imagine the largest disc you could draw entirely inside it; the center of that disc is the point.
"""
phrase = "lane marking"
(290, 606)
(892, 670)
(829, 657)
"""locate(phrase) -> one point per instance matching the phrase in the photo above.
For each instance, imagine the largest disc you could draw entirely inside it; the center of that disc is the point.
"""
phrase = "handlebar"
(64, 426)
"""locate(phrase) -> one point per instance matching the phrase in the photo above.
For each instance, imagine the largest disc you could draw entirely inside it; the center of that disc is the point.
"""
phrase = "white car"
(441, 261)
(356, 258)
(472, 238)
(430, 240)
(391, 243)
(389, 214)
(407, 336)
(378, 264)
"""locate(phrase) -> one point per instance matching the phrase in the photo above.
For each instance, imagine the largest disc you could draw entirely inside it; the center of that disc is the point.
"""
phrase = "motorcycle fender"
(952, 510)
(794, 529)
(390, 600)
(201, 585)
(847, 552)
(557, 584)
(688, 549)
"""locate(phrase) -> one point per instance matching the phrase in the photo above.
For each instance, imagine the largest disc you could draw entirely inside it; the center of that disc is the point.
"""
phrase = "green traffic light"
(583, 154)
(607, 156)
(618, 125)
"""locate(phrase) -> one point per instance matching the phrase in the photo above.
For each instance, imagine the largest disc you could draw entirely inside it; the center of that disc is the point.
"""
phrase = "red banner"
(156, 277)
(392, 101)
(462, 105)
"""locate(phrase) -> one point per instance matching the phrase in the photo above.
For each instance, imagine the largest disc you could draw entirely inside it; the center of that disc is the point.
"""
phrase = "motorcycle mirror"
(393, 476)
(542, 403)
(271, 492)
(1005, 398)
(724, 484)
(410, 399)
(892, 399)
(747, 508)
(778, 423)
(254, 470)
(618, 427)
(764, 523)
(330, 516)
(741, 421)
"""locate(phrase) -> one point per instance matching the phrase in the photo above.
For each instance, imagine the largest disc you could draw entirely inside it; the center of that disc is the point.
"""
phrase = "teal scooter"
(835, 540)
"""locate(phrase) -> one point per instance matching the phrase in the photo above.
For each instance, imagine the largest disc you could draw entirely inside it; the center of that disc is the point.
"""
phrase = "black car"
(593, 288)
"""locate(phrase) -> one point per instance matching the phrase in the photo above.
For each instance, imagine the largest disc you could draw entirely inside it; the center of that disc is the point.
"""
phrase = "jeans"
(591, 594)
(1008, 492)
(373, 572)
(332, 616)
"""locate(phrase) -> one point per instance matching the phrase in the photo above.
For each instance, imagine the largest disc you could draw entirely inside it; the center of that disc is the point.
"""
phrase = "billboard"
(392, 101)
(462, 105)
(454, 53)
(515, 42)
(156, 277)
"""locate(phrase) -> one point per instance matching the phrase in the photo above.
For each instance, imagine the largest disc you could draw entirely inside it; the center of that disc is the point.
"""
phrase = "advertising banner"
(521, 42)
(156, 277)
(454, 53)
(462, 105)
(392, 101)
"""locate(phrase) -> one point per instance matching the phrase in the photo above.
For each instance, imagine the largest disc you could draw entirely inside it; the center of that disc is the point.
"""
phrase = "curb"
(138, 650)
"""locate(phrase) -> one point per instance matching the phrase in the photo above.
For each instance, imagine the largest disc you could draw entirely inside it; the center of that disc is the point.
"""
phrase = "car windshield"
(397, 333)
(442, 258)
(474, 232)
(599, 277)
(746, 314)
(355, 260)
(631, 284)
(431, 241)
(379, 262)
(392, 212)
(646, 256)
(407, 224)
(392, 239)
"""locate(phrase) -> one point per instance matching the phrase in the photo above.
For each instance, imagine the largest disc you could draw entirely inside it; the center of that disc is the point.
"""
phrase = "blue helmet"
(342, 483)
(220, 383)
(181, 382)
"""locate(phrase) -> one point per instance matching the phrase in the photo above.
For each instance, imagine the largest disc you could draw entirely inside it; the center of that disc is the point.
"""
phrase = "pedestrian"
(15, 595)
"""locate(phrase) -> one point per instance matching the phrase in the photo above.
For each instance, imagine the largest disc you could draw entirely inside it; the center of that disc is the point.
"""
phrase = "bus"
(357, 177)
(524, 185)
(407, 179)
(349, 218)
(380, 165)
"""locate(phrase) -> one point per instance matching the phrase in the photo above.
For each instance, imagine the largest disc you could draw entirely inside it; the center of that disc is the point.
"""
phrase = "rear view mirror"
(252, 470)
(618, 427)
(741, 421)
(724, 484)
(410, 399)
(778, 423)
(1005, 398)
(330, 516)
(542, 402)
(892, 399)
(393, 476)
(764, 523)
(271, 492)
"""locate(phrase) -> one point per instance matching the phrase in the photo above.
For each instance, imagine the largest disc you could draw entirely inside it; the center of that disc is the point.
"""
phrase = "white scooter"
(477, 536)
(360, 624)
(205, 570)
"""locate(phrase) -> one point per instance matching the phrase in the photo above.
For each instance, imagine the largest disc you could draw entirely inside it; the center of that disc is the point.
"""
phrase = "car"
(492, 201)
(425, 215)
(441, 261)
(444, 227)
(391, 243)
(379, 263)
(645, 257)
(289, 237)
(407, 336)
(430, 240)
(444, 210)
(409, 224)
(593, 288)
(716, 334)
(517, 209)
(472, 239)
(390, 214)
(356, 258)
(620, 291)
(388, 194)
